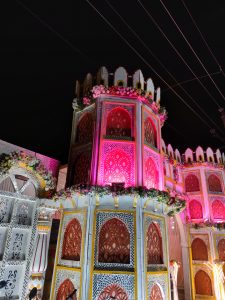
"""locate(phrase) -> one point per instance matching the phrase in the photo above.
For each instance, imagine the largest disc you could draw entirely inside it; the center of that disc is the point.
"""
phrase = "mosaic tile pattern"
(128, 220)
(124, 281)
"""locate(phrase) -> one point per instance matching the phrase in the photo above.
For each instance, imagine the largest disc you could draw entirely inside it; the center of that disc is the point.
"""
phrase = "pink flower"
(86, 101)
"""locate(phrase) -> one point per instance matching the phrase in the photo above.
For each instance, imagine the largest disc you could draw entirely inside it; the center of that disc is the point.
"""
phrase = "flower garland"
(141, 95)
(175, 202)
(217, 226)
(31, 164)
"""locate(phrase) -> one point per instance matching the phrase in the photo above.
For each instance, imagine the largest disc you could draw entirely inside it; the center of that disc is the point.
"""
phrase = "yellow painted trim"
(156, 272)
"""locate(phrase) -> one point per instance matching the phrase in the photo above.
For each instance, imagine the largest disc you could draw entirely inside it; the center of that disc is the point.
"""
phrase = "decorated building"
(136, 219)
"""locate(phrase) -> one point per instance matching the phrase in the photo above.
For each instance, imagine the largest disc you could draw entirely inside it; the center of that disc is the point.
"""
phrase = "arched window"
(218, 210)
(82, 168)
(195, 210)
(214, 184)
(192, 183)
(113, 291)
(118, 123)
(156, 293)
(154, 245)
(221, 250)
(72, 241)
(199, 250)
(150, 133)
(151, 174)
(66, 288)
(203, 284)
(114, 242)
(117, 167)
(85, 129)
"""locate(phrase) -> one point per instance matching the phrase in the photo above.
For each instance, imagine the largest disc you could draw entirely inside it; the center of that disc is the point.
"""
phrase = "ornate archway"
(72, 241)
(150, 132)
(156, 293)
(154, 245)
(195, 210)
(114, 242)
(199, 250)
(66, 288)
(214, 184)
(192, 183)
(113, 291)
(118, 123)
(203, 284)
(218, 210)
(151, 174)
(221, 250)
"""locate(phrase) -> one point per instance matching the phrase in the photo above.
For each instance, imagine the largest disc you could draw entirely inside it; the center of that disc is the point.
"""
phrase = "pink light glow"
(195, 210)
(218, 210)
(151, 175)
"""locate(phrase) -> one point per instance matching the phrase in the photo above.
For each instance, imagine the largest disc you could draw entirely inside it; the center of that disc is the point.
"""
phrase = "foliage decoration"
(175, 202)
(130, 92)
(31, 164)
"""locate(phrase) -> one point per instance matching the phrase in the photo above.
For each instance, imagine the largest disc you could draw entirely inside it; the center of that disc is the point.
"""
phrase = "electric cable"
(162, 65)
(177, 52)
(190, 46)
(144, 60)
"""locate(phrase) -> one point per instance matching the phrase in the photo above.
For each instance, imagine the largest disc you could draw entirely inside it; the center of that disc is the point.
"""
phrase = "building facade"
(137, 219)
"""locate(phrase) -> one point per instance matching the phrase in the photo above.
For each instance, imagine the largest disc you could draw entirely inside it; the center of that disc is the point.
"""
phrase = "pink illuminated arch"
(85, 129)
(113, 291)
(154, 245)
(214, 184)
(151, 174)
(156, 293)
(118, 123)
(114, 242)
(195, 210)
(150, 132)
(72, 241)
(199, 250)
(66, 288)
(192, 183)
(117, 167)
(218, 210)
(203, 284)
(221, 250)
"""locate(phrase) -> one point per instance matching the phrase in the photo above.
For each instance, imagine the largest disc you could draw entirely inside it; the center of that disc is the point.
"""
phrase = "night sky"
(47, 45)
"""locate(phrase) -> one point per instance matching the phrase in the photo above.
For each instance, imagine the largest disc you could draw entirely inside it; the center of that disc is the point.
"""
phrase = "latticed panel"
(199, 250)
(218, 210)
(117, 164)
(150, 133)
(192, 183)
(81, 169)
(195, 210)
(72, 241)
(85, 129)
(214, 184)
(154, 245)
(150, 170)
(203, 284)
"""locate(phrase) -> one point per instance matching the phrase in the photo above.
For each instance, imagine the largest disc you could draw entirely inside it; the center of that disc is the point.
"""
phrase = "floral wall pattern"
(66, 288)
(192, 183)
(118, 123)
(113, 291)
(154, 245)
(150, 132)
(218, 210)
(156, 293)
(203, 284)
(195, 210)
(199, 250)
(214, 184)
(157, 286)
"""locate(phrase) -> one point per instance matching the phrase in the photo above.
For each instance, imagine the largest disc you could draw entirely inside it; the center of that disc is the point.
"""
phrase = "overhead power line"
(144, 60)
(163, 66)
(59, 35)
(193, 51)
(176, 51)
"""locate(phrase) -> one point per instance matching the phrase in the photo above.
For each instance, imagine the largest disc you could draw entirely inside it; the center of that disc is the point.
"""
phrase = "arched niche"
(203, 284)
(154, 245)
(117, 167)
(114, 242)
(113, 291)
(150, 133)
(195, 210)
(85, 128)
(199, 250)
(214, 184)
(218, 210)
(156, 293)
(192, 183)
(71, 249)
(66, 288)
(221, 249)
(151, 174)
(118, 123)
(81, 168)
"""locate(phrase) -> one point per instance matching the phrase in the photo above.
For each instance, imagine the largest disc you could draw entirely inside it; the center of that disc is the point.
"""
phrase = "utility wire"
(59, 35)
(193, 51)
(162, 65)
(144, 60)
(177, 52)
(200, 33)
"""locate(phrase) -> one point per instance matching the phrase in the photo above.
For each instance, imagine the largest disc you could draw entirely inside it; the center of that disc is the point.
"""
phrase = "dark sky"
(40, 63)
